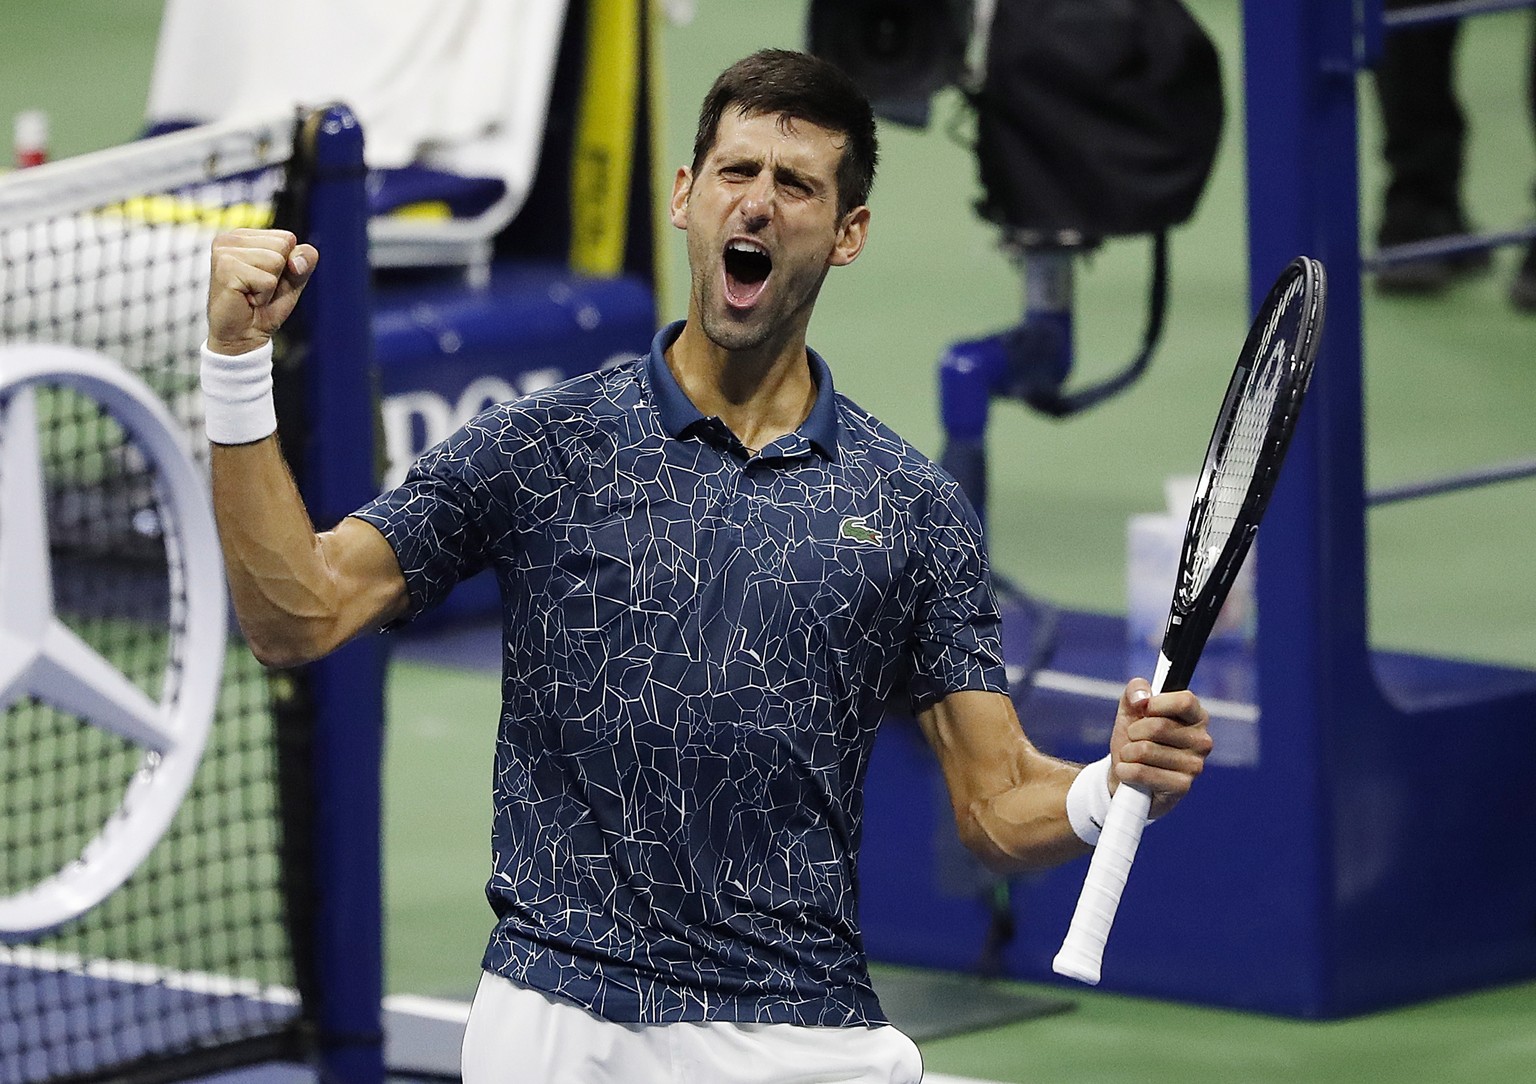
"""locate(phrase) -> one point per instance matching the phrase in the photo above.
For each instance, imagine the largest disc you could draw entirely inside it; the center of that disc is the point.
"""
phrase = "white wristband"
(1088, 801)
(237, 395)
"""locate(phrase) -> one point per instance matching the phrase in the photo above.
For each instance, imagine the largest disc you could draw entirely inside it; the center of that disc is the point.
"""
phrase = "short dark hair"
(804, 87)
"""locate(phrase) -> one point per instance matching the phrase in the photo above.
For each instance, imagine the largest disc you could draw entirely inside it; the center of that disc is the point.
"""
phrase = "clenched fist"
(255, 281)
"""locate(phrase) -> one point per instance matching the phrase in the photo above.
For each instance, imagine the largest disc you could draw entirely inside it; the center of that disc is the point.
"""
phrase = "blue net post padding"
(338, 473)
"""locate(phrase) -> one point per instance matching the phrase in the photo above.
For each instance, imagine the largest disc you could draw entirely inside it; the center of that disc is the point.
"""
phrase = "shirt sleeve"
(436, 520)
(956, 642)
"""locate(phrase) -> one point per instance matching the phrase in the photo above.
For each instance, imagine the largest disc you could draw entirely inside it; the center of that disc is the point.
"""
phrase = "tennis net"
(189, 966)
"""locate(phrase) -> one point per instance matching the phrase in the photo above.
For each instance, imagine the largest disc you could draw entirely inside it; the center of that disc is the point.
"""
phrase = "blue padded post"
(339, 475)
(1391, 785)
(1302, 197)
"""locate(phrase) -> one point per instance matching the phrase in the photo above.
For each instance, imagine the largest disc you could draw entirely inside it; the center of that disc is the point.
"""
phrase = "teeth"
(747, 246)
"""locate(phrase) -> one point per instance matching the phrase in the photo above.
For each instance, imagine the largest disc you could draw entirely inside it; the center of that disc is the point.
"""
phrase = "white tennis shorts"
(521, 1036)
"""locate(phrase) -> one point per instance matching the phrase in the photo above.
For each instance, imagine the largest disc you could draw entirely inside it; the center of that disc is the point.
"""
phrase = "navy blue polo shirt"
(700, 643)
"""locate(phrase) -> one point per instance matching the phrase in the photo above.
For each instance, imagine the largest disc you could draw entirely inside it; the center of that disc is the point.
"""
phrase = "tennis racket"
(1242, 463)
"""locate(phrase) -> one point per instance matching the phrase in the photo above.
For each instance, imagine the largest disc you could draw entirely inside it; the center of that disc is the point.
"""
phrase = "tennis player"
(717, 573)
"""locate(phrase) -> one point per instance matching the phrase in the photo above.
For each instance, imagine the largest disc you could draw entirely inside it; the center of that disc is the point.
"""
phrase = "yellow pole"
(605, 137)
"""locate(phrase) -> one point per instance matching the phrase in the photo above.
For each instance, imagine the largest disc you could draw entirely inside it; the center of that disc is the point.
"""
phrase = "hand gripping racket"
(1241, 465)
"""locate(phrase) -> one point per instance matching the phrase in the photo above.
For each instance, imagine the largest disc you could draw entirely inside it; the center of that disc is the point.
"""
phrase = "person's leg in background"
(1425, 136)
(1522, 291)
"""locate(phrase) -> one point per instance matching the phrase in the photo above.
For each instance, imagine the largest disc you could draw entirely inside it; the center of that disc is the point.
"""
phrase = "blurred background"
(1448, 386)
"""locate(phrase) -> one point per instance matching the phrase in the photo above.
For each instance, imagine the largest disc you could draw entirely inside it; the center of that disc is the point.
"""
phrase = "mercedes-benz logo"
(42, 658)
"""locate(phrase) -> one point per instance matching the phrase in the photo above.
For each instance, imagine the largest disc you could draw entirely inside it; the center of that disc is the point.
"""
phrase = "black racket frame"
(1192, 616)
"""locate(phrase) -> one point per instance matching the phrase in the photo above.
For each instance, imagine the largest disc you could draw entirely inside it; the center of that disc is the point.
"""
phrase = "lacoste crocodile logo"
(856, 530)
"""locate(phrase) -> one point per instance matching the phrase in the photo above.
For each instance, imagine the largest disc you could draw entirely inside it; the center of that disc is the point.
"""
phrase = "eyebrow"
(781, 173)
(790, 175)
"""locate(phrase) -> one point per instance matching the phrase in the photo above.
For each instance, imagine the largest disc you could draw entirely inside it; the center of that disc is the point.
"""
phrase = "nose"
(757, 203)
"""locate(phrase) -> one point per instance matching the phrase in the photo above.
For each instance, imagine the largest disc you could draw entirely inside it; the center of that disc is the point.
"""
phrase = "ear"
(851, 235)
(682, 186)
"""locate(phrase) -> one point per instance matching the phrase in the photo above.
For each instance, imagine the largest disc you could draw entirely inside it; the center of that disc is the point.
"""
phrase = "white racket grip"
(1082, 951)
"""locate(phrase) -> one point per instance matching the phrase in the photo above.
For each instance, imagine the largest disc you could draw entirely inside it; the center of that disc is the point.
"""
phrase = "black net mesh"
(190, 959)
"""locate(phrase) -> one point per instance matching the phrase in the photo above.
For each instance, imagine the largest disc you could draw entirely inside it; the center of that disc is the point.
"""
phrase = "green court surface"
(1450, 384)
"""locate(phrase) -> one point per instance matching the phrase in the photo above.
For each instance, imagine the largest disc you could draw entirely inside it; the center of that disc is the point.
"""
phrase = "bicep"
(955, 639)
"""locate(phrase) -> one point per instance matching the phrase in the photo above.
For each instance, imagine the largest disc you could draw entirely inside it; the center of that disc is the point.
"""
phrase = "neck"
(760, 394)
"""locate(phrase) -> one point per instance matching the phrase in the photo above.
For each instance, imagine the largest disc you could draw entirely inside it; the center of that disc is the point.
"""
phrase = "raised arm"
(1010, 799)
(298, 594)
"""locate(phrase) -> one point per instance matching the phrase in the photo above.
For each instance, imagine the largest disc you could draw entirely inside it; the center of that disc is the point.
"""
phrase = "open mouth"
(747, 267)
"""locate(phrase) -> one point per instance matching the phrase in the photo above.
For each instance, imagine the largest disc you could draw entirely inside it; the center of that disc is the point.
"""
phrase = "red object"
(31, 138)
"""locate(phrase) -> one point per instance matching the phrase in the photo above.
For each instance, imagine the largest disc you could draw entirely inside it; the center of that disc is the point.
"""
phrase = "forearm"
(285, 591)
(1009, 798)
(298, 594)
(1019, 809)
(1024, 827)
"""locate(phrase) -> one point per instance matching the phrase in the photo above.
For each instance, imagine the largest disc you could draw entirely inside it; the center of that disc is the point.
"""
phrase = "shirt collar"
(679, 415)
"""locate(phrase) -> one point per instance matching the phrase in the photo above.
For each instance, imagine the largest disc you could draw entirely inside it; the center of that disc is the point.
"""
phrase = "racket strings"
(1232, 473)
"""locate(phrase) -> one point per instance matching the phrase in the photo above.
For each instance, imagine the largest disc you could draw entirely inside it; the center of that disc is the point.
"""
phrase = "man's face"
(763, 227)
